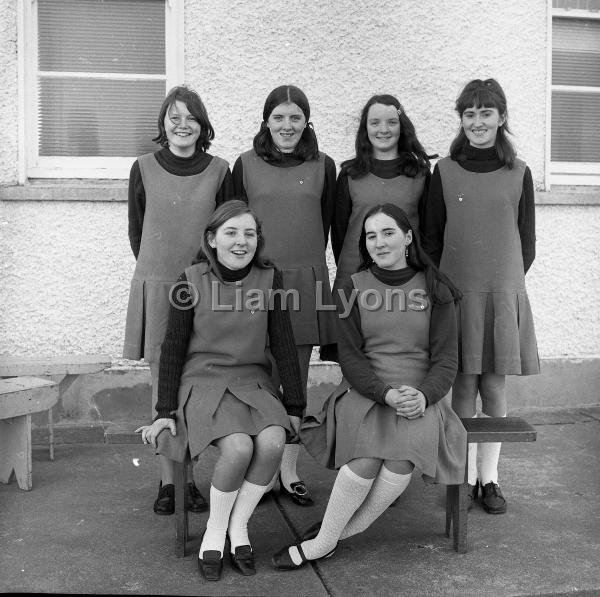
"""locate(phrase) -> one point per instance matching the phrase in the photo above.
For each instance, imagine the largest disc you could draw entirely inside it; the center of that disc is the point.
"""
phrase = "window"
(96, 72)
(575, 143)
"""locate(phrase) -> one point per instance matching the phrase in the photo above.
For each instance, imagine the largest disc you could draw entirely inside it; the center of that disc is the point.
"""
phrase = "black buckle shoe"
(195, 500)
(299, 494)
(492, 500)
(164, 504)
(243, 560)
(211, 564)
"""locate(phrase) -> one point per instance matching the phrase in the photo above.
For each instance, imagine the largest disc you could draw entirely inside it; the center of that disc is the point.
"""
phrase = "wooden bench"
(19, 398)
(63, 370)
(480, 430)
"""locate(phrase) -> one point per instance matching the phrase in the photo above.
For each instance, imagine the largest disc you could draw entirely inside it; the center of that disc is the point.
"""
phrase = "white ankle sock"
(348, 493)
(248, 497)
(221, 503)
(488, 468)
(288, 465)
(388, 486)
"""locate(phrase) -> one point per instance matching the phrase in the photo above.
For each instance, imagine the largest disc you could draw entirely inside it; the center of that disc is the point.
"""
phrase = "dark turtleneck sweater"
(289, 161)
(173, 164)
(443, 342)
(433, 222)
(179, 330)
(385, 169)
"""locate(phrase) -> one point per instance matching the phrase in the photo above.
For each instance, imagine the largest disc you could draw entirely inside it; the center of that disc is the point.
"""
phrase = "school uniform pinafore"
(287, 201)
(366, 192)
(177, 210)
(226, 384)
(482, 255)
(396, 342)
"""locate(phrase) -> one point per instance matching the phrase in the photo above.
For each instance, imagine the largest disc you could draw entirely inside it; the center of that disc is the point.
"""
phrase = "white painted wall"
(65, 266)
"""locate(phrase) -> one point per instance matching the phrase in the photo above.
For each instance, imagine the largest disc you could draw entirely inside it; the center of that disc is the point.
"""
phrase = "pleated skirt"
(351, 426)
(207, 414)
(496, 334)
(147, 318)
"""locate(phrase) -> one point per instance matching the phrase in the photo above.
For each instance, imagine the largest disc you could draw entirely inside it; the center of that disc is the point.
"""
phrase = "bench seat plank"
(48, 365)
(499, 429)
(25, 395)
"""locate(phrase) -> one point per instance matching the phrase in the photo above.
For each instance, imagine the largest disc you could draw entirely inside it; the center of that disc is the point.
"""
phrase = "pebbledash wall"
(65, 257)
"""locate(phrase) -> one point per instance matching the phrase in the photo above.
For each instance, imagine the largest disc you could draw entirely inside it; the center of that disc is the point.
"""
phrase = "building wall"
(66, 265)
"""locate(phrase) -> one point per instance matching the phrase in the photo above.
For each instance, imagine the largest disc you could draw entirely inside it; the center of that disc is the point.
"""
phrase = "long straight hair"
(230, 209)
(417, 258)
(484, 94)
(415, 160)
(307, 148)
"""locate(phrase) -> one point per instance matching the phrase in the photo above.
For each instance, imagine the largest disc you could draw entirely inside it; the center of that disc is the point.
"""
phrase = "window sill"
(71, 189)
(568, 195)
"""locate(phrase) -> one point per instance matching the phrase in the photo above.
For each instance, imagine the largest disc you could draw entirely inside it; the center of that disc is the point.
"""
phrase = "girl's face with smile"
(383, 130)
(386, 242)
(182, 129)
(235, 241)
(481, 125)
(286, 124)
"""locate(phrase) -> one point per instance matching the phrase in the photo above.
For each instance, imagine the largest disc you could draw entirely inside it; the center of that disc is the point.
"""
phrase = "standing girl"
(390, 166)
(398, 354)
(290, 185)
(215, 380)
(172, 193)
(480, 228)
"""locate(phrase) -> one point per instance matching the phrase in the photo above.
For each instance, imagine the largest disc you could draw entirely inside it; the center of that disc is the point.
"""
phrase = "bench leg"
(51, 433)
(460, 516)
(15, 450)
(451, 497)
(181, 513)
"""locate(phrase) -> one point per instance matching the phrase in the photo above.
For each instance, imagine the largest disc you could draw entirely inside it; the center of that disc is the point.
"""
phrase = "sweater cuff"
(380, 395)
(164, 414)
(295, 411)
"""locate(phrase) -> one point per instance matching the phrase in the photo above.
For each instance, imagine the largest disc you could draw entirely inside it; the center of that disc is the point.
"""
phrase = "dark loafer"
(211, 564)
(299, 494)
(165, 502)
(195, 500)
(243, 560)
(472, 491)
(492, 500)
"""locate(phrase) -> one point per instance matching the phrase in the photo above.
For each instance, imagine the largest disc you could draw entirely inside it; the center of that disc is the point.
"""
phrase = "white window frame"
(31, 164)
(568, 173)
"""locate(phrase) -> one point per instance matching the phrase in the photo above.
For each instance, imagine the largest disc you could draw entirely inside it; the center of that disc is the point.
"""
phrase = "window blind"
(101, 76)
(576, 111)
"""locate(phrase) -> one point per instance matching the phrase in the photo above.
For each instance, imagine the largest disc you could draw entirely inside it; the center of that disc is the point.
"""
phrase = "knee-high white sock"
(221, 503)
(488, 468)
(248, 497)
(472, 469)
(489, 455)
(388, 486)
(348, 493)
(472, 461)
(288, 465)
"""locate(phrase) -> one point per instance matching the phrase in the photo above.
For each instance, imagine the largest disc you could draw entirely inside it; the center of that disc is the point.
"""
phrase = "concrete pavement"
(88, 527)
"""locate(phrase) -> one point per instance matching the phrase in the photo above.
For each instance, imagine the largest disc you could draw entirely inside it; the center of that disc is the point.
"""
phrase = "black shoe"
(211, 564)
(492, 500)
(472, 491)
(195, 500)
(282, 560)
(243, 560)
(165, 502)
(299, 494)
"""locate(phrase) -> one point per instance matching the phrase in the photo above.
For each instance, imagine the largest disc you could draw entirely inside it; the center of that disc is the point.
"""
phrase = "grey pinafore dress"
(482, 256)
(226, 384)
(288, 203)
(366, 192)
(177, 210)
(396, 342)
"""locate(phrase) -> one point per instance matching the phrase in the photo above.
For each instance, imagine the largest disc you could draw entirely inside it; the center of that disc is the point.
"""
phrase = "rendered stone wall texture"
(66, 266)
